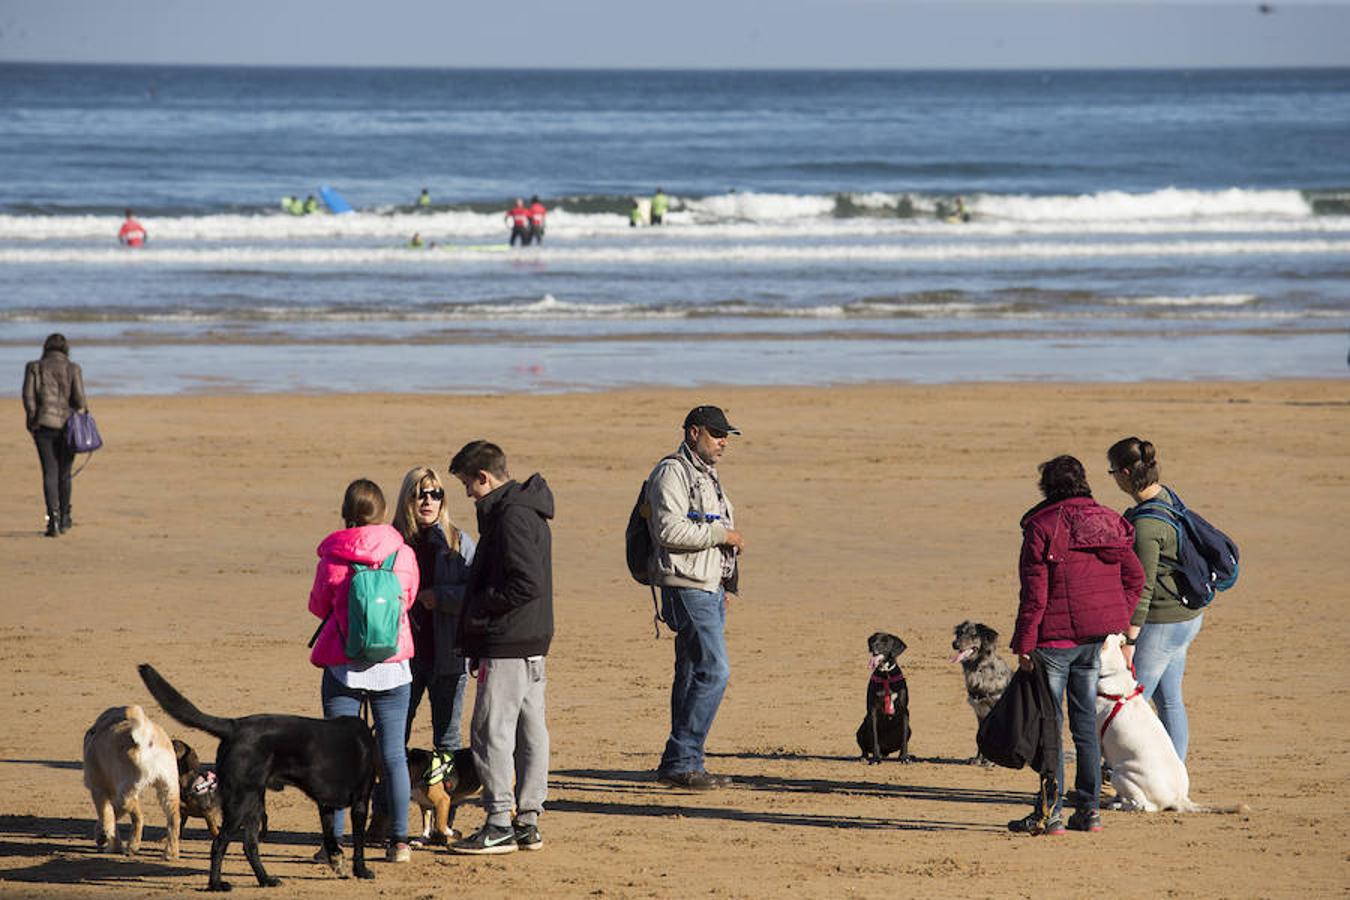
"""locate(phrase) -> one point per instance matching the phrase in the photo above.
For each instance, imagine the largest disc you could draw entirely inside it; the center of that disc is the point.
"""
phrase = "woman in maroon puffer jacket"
(1080, 582)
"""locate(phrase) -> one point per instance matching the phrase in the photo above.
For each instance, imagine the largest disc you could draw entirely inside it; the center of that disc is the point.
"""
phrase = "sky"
(885, 34)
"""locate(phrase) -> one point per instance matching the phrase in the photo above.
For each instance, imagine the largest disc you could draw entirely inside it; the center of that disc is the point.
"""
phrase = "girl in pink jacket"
(346, 683)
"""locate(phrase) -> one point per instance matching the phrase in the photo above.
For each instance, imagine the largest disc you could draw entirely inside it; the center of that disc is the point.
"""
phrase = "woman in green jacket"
(1162, 628)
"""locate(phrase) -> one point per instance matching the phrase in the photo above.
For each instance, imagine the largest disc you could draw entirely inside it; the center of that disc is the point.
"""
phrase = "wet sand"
(864, 508)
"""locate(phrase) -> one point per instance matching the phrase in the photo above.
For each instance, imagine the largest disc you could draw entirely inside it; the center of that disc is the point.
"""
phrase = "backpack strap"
(388, 564)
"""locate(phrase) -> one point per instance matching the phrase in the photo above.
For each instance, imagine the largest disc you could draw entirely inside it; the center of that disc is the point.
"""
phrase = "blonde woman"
(444, 553)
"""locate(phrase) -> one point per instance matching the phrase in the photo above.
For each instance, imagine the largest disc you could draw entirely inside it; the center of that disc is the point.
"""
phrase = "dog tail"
(178, 706)
(141, 731)
(1240, 809)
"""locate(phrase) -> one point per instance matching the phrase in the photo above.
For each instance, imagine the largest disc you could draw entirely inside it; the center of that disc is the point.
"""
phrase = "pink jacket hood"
(368, 545)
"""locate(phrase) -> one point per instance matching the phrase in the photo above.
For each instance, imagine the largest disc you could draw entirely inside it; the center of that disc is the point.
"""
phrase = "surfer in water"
(311, 204)
(424, 201)
(537, 214)
(660, 203)
(132, 233)
(519, 217)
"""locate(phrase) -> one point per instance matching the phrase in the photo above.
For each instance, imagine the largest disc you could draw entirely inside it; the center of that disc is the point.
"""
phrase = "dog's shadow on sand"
(618, 781)
(74, 864)
(74, 764)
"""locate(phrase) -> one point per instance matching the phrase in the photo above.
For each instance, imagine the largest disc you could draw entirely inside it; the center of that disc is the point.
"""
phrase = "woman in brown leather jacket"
(53, 388)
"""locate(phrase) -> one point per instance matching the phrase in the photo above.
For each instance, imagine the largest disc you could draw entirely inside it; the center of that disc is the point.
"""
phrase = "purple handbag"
(82, 434)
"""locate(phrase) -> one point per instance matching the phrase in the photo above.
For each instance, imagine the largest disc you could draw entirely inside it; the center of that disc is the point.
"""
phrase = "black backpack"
(1207, 559)
(637, 539)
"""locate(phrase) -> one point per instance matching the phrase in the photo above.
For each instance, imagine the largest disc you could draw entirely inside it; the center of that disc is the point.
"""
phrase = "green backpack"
(373, 612)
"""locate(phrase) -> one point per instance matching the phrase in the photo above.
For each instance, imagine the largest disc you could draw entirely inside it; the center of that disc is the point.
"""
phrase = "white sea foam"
(1169, 204)
(1199, 300)
(746, 216)
(654, 254)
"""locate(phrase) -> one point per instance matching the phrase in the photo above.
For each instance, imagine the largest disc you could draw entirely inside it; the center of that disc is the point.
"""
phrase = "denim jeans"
(445, 696)
(1159, 664)
(702, 670)
(1076, 668)
(389, 709)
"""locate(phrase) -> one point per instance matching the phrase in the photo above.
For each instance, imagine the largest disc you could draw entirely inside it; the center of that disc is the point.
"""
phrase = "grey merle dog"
(987, 673)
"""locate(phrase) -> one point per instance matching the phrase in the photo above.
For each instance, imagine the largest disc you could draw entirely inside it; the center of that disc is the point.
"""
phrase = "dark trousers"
(522, 234)
(56, 456)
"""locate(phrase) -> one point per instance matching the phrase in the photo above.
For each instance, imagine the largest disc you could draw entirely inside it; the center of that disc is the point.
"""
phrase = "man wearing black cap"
(696, 545)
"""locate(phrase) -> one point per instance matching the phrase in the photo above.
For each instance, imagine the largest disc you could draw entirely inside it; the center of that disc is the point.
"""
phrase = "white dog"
(1145, 769)
(124, 754)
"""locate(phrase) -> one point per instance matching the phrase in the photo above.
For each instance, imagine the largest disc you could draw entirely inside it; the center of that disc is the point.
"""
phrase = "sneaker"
(488, 839)
(1086, 820)
(399, 852)
(528, 837)
(1034, 823)
(694, 781)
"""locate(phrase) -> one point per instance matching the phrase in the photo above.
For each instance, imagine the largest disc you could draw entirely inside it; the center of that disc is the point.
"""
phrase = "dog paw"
(365, 873)
(224, 886)
(271, 881)
(905, 760)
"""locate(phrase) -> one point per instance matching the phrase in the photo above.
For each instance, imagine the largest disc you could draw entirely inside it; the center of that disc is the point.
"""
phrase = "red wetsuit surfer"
(519, 217)
(132, 233)
(537, 213)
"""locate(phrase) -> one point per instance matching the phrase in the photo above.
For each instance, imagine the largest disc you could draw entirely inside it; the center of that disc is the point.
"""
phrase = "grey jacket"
(53, 388)
(687, 551)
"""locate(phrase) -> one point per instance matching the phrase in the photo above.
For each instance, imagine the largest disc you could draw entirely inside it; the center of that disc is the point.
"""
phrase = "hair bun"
(1147, 453)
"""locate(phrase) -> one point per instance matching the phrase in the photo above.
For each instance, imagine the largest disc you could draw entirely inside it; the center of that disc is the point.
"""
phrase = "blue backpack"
(1207, 559)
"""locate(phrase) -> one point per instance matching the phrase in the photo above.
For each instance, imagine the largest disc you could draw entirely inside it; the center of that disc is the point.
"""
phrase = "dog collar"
(889, 681)
(1121, 700)
(204, 784)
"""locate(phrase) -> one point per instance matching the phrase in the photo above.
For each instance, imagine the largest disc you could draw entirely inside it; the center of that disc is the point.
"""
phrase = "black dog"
(331, 760)
(886, 728)
(987, 674)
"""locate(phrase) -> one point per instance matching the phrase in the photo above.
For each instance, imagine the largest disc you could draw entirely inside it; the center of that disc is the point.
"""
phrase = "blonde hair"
(405, 511)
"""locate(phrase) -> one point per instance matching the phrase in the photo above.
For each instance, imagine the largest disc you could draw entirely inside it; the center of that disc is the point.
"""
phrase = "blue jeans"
(445, 694)
(702, 670)
(1075, 668)
(389, 709)
(1159, 664)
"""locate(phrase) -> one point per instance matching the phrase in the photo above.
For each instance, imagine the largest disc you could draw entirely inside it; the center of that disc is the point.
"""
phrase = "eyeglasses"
(434, 494)
(1116, 471)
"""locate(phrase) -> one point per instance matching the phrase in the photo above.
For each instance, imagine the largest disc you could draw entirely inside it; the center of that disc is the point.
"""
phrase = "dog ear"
(986, 633)
(957, 631)
(900, 646)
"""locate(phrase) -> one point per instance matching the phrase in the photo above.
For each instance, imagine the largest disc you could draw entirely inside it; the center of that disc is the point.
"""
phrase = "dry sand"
(865, 508)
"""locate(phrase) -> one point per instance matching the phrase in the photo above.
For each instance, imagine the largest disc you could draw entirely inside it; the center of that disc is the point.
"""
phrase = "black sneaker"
(528, 836)
(1034, 823)
(488, 839)
(694, 781)
(1086, 820)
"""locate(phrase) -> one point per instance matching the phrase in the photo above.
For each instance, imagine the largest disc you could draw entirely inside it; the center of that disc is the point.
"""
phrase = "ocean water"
(1124, 226)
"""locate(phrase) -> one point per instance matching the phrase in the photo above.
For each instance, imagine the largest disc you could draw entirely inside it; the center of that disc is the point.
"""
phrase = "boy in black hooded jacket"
(505, 631)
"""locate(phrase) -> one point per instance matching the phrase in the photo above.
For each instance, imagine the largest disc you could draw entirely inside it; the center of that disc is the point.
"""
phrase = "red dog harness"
(1121, 700)
(889, 681)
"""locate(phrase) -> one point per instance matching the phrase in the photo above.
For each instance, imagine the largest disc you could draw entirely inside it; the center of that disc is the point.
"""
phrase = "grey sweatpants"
(510, 740)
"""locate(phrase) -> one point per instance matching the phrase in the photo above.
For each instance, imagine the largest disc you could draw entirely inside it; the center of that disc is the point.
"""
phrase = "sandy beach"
(864, 508)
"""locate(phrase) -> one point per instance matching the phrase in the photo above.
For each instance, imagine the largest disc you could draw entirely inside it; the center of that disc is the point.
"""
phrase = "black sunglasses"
(435, 494)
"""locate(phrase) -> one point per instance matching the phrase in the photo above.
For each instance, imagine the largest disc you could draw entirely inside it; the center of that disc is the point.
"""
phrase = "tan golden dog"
(124, 754)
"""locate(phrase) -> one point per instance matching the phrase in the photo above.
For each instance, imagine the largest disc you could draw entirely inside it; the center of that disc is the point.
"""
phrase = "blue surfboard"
(333, 200)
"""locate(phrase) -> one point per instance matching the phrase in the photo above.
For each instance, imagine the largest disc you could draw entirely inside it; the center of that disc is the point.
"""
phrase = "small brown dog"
(198, 790)
(124, 754)
(440, 783)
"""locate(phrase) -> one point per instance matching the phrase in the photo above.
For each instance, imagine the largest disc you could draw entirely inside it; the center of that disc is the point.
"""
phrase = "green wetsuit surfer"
(660, 203)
